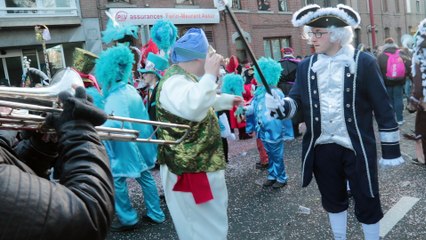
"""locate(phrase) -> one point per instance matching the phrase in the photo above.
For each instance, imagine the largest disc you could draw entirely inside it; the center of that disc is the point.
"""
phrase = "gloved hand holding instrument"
(77, 107)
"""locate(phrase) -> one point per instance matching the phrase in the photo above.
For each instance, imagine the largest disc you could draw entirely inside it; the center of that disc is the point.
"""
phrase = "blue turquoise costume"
(128, 159)
(273, 132)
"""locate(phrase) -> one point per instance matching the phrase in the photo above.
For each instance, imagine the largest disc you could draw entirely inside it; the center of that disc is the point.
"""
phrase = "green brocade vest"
(201, 150)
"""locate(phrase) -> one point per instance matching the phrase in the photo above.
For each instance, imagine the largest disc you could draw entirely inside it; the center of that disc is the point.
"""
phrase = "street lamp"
(43, 35)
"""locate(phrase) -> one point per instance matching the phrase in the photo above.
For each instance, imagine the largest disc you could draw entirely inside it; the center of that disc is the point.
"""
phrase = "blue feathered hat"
(164, 34)
(233, 84)
(271, 70)
(114, 67)
(115, 31)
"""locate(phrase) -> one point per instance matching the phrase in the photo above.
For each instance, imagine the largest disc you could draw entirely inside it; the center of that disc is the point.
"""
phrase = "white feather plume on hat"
(315, 16)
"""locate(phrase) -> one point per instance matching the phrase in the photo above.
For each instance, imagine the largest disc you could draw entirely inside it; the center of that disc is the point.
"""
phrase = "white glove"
(274, 104)
(390, 162)
(231, 137)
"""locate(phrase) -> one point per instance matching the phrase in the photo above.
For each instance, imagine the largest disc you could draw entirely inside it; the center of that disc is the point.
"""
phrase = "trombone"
(17, 102)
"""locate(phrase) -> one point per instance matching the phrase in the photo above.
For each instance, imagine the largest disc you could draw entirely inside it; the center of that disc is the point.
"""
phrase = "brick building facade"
(266, 25)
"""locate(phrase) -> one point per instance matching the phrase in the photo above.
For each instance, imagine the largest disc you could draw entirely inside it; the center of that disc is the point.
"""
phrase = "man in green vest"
(192, 172)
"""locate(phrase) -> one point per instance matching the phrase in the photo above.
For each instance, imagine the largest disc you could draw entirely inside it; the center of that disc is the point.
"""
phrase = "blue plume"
(113, 33)
(271, 70)
(233, 84)
(114, 67)
(164, 34)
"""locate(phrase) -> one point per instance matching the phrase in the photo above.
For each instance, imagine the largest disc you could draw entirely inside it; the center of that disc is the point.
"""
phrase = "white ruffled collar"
(344, 57)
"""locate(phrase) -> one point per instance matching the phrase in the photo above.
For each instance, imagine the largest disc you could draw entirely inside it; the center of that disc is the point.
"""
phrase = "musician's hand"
(238, 101)
(39, 151)
(76, 108)
(213, 63)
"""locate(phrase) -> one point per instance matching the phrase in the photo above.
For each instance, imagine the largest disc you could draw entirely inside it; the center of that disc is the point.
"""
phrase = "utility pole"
(373, 26)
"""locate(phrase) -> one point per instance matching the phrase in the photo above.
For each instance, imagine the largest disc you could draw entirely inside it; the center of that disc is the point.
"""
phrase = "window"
(397, 6)
(325, 3)
(387, 32)
(263, 5)
(399, 34)
(185, 2)
(385, 5)
(39, 7)
(282, 6)
(236, 4)
(241, 50)
(125, 1)
(273, 46)
(418, 6)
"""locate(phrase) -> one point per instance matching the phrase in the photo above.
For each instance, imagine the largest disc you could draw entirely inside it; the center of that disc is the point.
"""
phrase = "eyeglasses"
(316, 34)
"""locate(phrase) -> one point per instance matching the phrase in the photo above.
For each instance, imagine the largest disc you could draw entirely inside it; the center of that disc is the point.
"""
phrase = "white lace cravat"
(341, 59)
(344, 57)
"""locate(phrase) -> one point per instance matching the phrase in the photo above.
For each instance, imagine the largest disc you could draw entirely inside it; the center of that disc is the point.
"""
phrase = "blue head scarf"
(193, 45)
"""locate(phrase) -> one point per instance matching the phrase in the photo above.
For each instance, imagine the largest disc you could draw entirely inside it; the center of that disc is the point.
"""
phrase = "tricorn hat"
(314, 16)
(155, 64)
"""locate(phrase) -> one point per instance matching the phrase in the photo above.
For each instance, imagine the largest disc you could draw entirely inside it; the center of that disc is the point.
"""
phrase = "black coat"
(80, 206)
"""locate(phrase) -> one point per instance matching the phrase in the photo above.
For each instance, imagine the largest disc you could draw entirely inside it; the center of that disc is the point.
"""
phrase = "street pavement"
(293, 212)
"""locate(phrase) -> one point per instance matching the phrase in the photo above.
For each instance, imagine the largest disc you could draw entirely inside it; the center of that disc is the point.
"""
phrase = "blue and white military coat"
(364, 96)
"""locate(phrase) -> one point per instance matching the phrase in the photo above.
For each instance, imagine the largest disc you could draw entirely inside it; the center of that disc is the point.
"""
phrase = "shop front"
(183, 18)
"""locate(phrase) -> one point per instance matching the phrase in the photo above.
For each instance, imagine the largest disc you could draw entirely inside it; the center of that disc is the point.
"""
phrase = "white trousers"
(197, 222)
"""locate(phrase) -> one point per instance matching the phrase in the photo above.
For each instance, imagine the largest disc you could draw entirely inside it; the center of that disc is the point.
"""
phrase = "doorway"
(11, 68)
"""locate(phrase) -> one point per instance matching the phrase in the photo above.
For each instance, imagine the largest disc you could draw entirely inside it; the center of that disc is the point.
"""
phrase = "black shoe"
(156, 166)
(269, 183)
(416, 161)
(147, 219)
(116, 226)
(245, 136)
(261, 166)
(277, 185)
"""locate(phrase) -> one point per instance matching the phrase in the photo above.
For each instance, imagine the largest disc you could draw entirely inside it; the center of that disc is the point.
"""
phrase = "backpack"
(395, 69)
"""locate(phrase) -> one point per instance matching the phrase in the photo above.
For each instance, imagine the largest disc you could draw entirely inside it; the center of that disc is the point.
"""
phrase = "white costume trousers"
(203, 221)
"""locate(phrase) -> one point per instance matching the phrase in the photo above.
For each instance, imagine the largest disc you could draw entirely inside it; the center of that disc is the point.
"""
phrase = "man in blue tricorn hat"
(339, 90)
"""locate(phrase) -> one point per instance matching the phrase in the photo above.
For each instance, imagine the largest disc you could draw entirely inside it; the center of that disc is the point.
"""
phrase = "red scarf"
(195, 183)
(90, 77)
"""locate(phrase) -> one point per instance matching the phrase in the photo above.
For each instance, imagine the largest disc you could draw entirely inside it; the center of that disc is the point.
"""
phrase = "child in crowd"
(272, 132)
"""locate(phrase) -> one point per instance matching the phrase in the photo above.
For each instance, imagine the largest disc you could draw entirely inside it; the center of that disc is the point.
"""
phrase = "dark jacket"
(363, 97)
(382, 59)
(150, 104)
(288, 74)
(80, 206)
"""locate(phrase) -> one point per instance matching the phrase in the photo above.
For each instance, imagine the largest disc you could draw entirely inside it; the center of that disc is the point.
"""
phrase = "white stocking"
(371, 231)
(338, 224)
